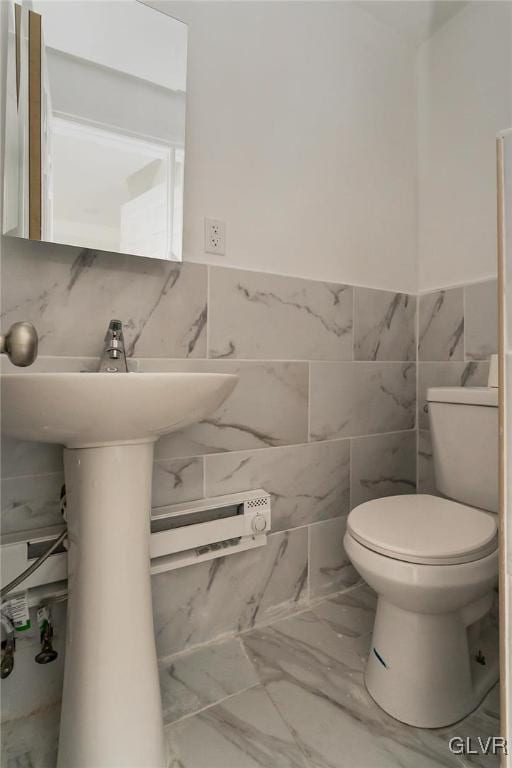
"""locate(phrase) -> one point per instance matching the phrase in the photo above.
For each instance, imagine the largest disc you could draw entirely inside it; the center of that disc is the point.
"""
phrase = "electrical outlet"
(215, 236)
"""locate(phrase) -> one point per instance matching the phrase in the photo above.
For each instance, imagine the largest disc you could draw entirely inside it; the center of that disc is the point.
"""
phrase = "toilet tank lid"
(487, 396)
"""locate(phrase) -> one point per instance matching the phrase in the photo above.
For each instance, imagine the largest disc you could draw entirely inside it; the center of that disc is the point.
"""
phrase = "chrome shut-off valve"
(7, 663)
(47, 653)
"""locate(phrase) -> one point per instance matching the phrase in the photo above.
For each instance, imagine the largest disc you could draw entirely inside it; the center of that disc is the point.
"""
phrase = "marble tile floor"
(286, 695)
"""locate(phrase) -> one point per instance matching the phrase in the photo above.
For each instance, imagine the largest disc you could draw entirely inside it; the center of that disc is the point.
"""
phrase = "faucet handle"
(115, 327)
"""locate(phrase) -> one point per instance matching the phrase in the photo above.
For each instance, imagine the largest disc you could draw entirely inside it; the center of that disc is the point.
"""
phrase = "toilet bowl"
(433, 564)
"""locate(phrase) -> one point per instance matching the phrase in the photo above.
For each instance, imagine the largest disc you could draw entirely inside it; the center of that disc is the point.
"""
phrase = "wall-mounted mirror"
(95, 126)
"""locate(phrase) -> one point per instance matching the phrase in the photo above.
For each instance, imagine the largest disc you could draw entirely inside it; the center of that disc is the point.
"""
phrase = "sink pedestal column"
(111, 708)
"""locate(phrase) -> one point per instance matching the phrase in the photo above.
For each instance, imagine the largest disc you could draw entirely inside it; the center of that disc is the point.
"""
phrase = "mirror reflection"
(96, 126)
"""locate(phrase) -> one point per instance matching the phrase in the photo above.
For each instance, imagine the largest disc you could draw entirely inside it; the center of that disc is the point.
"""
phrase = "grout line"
(40, 475)
(294, 734)
(310, 444)
(191, 361)
(354, 320)
(309, 565)
(451, 286)
(417, 429)
(289, 729)
(238, 635)
(311, 524)
(350, 472)
(205, 456)
(453, 362)
(208, 312)
(289, 276)
(338, 593)
(262, 625)
(168, 658)
(339, 283)
(464, 357)
(245, 653)
(417, 460)
(305, 609)
(309, 403)
(213, 704)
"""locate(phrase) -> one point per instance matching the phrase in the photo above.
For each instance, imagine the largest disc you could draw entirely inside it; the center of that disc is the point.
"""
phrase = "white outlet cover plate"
(215, 236)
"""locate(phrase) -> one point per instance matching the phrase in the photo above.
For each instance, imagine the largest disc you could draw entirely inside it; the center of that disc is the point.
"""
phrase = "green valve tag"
(18, 612)
(43, 618)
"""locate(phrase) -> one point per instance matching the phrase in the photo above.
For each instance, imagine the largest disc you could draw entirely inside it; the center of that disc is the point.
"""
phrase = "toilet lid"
(424, 529)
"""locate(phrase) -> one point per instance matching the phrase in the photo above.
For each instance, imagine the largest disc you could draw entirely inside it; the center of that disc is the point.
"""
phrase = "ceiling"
(416, 20)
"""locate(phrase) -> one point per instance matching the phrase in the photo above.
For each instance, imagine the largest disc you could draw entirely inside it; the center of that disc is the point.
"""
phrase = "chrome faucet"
(113, 359)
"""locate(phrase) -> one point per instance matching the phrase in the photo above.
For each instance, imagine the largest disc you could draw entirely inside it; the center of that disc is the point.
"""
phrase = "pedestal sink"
(108, 423)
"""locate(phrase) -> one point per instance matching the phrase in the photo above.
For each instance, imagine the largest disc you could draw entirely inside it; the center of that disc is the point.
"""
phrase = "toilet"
(433, 562)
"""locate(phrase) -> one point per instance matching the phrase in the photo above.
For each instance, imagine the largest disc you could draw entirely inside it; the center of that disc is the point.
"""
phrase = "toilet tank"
(464, 430)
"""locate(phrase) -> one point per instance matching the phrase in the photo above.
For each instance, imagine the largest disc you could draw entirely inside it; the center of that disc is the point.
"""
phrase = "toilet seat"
(424, 529)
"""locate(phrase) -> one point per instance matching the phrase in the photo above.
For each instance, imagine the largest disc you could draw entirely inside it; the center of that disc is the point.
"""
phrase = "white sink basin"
(111, 706)
(89, 409)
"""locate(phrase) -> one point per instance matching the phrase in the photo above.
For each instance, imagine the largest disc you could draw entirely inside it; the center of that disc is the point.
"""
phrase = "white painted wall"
(464, 100)
(301, 136)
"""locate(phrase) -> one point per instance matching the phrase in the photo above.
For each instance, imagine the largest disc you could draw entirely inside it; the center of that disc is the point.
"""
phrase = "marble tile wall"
(323, 416)
(457, 334)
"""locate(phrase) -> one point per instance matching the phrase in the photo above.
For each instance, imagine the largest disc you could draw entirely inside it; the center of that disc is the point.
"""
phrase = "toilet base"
(426, 670)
